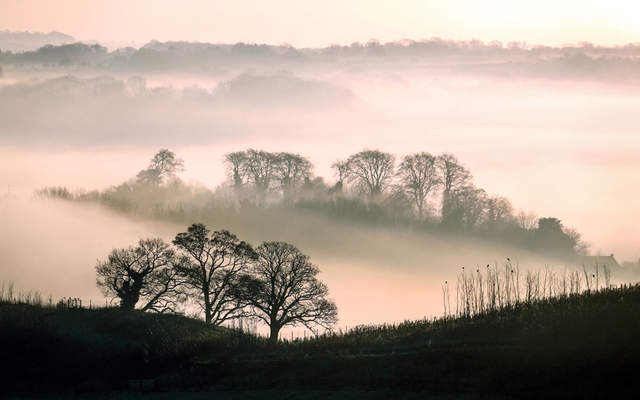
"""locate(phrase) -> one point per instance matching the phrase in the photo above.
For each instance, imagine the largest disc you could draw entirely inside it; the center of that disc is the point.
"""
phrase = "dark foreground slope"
(46, 350)
(583, 346)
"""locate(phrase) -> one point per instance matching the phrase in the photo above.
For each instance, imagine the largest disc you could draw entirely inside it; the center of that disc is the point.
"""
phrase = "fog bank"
(374, 275)
(564, 149)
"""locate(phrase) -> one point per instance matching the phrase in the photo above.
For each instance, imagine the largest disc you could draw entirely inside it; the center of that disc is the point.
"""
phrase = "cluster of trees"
(423, 191)
(263, 171)
(423, 188)
(225, 277)
(420, 182)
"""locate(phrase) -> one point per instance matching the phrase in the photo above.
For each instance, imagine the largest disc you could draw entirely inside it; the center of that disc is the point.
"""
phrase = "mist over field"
(554, 130)
(375, 275)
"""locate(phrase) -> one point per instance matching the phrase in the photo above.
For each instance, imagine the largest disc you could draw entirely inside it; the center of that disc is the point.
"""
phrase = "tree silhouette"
(146, 273)
(372, 171)
(236, 165)
(551, 237)
(281, 289)
(162, 167)
(342, 171)
(526, 220)
(499, 214)
(215, 261)
(260, 167)
(263, 171)
(291, 170)
(418, 177)
(454, 177)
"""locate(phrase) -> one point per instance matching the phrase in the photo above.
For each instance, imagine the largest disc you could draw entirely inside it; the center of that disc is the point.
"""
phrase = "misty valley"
(401, 219)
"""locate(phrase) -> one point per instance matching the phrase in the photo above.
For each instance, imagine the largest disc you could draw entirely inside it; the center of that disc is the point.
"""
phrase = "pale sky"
(319, 23)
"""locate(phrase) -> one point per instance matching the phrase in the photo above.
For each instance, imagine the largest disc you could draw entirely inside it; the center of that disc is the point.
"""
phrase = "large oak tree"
(282, 289)
(144, 276)
(215, 262)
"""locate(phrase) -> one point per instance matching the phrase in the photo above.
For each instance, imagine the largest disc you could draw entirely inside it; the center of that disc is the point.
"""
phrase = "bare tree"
(581, 247)
(282, 289)
(166, 163)
(263, 170)
(291, 171)
(260, 168)
(372, 170)
(146, 273)
(454, 177)
(472, 202)
(162, 167)
(526, 220)
(236, 165)
(499, 213)
(418, 177)
(215, 261)
(342, 171)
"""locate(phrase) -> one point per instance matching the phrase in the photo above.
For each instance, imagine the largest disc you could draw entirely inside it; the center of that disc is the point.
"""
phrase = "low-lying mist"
(564, 149)
(52, 247)
(375, 275)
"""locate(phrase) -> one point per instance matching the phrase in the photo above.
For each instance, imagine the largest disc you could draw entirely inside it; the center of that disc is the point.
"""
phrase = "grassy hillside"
(578, 346)
(51, 348)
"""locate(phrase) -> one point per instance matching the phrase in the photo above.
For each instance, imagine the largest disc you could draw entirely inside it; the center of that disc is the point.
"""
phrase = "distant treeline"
(421, 192)
(582, 60)
(280, 88)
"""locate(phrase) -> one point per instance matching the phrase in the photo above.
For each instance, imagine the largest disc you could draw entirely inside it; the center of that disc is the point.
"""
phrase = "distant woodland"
(582, 61)
(418, 192)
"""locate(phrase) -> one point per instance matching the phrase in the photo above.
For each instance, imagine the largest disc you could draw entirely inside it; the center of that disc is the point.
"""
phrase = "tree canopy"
(263, 171)
(163, 166)
(418, 179)
(282, 289)
(215, 262)
(275, 283)
(145, 274)
(371, 170)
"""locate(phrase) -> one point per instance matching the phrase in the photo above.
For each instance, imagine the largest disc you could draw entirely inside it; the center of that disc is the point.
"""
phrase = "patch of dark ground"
(266, 394)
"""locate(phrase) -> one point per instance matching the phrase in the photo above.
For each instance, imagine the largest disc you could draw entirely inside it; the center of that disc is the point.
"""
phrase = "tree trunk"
(130, 294)
(446, 203)
(128, 302)
(207, 313)
(275, 331)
